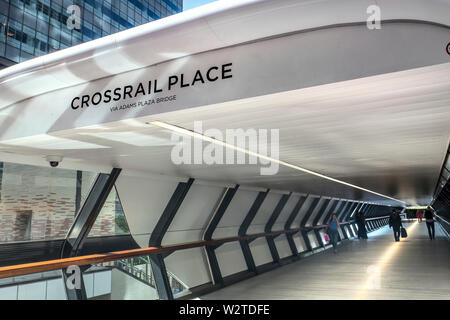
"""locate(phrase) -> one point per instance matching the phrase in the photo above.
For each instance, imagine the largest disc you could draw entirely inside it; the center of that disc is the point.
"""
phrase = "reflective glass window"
(38, 203)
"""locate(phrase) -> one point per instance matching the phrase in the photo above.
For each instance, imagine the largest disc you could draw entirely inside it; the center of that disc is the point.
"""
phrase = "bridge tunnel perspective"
(241, 158)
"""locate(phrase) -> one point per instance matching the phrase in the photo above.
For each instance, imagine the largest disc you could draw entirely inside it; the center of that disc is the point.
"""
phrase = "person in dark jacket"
(361, 221)
(395, 221)
(430, 222)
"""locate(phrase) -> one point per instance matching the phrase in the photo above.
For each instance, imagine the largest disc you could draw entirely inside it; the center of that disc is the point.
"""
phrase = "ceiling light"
(251, 153)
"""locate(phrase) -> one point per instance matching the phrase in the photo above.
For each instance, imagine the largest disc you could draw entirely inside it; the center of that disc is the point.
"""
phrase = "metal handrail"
(144, 276)
(321, 226)
(440, 218)
(138, 273)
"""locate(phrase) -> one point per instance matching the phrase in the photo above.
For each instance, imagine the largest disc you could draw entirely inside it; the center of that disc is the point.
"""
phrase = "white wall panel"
(353, 229)
(286, 212)
(327, 210)
(316, 211)
(143, 200)
(341, 233)
(260, 251)
(282, 245)
(264, 212)
(299, 242)
(193, 214)
(224, 232)
(322, 234)
(303, 210)
(337, 210)
(313, 240)
(190, 266)
(230, 258)
(236, 212)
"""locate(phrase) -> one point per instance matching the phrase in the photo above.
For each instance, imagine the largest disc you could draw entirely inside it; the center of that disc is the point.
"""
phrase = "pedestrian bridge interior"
(378, 268)
(363, 126)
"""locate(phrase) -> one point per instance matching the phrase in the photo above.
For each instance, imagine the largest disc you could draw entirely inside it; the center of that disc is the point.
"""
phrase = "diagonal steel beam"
(317, 219)
(157, 261)
(268, 228)
(304, 220)
(81, 227)
(212, 225)
(244, 227)
(290, 220)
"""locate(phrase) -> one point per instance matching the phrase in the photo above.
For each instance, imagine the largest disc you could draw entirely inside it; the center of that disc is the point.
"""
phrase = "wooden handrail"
(57, 264)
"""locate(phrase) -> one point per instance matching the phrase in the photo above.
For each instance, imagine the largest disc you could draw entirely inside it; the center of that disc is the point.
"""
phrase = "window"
(22, 226)
(38, 203)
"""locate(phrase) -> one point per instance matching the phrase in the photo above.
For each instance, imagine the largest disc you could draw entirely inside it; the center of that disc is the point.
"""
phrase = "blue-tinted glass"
(16, 13)
(12, 53)
(76, 41)
(66, 38)
(88, 17)
(24, 56)
(28, 40)
(42, 26)
(54, 32)
(3, 28)
(29, 20)
(54, 44)
(17, 3)
(4, 7)
(22, 18)
(14, 33)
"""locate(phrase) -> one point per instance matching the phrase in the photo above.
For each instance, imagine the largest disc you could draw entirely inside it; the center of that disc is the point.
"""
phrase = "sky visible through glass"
(189, 4)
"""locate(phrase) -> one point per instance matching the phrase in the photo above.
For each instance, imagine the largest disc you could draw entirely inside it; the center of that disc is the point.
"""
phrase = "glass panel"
(12, 53)
(125, 279)
(39, 203)
(111, 219)
(37, 286)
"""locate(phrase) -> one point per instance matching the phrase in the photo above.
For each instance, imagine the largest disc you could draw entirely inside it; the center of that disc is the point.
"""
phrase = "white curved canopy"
(369, 107)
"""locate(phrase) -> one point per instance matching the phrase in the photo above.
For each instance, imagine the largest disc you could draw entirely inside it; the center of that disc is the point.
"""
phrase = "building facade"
(39, 203)
(31, 28)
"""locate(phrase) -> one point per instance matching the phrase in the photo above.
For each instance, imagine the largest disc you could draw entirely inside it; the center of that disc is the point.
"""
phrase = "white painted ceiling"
(387, 133)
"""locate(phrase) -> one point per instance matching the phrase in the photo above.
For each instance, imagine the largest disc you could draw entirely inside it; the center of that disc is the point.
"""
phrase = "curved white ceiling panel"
(210, 27)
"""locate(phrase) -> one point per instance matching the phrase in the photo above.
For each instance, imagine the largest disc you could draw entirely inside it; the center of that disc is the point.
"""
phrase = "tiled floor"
(378, 268)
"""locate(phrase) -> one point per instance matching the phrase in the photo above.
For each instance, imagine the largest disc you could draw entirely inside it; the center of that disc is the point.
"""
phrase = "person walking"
(332, 231)
(419, 216)
(429, 219)
(361, 221)
(395, 221)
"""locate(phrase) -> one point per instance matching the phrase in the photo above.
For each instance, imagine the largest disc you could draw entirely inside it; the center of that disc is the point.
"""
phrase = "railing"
(322, 226)
(146, 276)
(441, 220)
(128, 268)
(35, 267)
